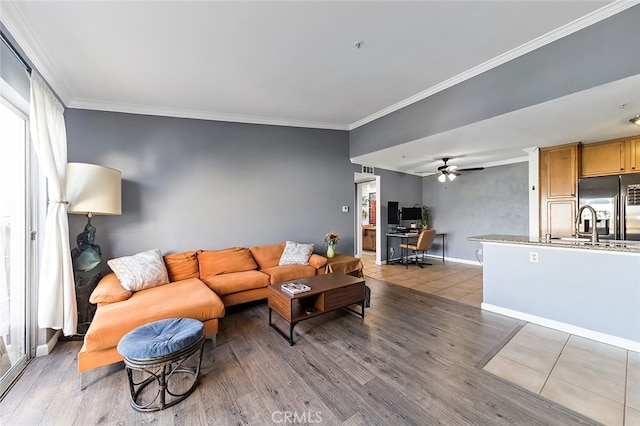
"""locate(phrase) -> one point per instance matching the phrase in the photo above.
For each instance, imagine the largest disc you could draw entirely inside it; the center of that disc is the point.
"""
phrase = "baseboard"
(46, 349)
(454, 259)
(567, 328)
(436, 257)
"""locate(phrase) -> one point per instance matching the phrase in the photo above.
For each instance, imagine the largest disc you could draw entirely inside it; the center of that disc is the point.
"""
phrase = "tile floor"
(451, 280)
(592, 378)
(597, 380)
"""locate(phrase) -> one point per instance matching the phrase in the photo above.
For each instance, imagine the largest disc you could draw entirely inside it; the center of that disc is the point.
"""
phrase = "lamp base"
(87, 273)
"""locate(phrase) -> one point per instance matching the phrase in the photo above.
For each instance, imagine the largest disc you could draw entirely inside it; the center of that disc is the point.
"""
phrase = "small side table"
(345, 264)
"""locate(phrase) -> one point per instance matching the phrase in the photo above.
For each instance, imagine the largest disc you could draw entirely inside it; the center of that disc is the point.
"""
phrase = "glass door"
(14, 244)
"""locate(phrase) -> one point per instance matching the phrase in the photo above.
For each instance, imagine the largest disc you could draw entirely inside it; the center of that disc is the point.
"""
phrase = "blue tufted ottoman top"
(160, 338)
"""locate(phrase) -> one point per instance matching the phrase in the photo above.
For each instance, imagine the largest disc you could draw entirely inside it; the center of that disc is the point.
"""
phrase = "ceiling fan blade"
(471, 169)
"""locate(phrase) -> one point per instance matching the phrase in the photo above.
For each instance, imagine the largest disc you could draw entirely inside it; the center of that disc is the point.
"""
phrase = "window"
(15, 245)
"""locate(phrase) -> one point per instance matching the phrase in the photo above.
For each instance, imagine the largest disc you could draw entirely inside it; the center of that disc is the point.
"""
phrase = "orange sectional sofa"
(201, 284)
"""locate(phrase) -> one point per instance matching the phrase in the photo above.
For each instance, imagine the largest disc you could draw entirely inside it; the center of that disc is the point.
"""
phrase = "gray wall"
(492, 201)
(394, 186)
(599, 54)
(573, 286)
(193, 184)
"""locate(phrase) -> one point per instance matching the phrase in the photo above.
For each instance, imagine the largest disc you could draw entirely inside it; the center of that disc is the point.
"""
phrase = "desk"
(405, 236)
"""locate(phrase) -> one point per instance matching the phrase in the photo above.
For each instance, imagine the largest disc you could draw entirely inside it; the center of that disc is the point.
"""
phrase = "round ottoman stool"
(167, 353)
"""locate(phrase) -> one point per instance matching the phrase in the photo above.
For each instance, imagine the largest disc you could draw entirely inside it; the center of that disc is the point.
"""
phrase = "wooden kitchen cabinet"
(369, 239)
(559, 171)
(619, 156)
(633, 146)
(558, 190)
(604, 158)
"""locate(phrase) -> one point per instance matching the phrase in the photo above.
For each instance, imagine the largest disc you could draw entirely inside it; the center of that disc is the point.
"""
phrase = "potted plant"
(426, 217)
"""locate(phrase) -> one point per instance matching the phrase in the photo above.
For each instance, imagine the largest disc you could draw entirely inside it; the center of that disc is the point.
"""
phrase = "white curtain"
(56, 293)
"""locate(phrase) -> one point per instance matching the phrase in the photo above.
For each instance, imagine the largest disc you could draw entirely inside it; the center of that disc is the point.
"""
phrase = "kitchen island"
(572, 285)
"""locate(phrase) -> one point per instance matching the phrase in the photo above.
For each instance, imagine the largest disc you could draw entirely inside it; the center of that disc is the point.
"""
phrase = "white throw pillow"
(140, 271)
(296, 254)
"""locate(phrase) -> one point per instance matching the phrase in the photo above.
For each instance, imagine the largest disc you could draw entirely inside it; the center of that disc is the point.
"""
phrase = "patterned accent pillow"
(296, 254)
(140, 271)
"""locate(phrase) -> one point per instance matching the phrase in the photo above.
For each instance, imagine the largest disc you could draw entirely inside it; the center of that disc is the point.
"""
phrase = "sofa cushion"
(182, 266)
(185, 299)
(296, 254)
(109, 290)
(160, 338)
(268, 255)
(317, 261)
(140, 271)
(280, 274)
(216, 262)
(236, 281)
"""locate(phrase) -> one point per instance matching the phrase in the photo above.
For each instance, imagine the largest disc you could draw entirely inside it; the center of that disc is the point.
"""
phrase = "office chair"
(424, 243)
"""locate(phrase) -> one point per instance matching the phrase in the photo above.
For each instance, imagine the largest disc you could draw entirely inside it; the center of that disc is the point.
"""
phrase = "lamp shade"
(93, 189)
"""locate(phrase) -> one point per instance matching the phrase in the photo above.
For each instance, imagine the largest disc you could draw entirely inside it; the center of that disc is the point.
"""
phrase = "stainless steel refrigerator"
(616, 200)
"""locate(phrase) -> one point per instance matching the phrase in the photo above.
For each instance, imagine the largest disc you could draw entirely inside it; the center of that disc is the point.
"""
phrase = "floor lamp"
(91, 190)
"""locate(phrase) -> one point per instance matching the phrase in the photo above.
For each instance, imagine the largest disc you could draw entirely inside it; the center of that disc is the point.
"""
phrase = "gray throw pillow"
(296, 254)
(140, 271)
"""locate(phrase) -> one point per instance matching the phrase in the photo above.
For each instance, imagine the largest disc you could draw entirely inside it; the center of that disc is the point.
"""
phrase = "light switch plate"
(345, 209)
(533, 256)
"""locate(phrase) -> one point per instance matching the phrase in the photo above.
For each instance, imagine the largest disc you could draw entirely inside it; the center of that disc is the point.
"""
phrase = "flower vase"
(330, 251)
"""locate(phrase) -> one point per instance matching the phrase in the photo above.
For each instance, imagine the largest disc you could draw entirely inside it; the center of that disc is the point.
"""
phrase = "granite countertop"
(574, 243)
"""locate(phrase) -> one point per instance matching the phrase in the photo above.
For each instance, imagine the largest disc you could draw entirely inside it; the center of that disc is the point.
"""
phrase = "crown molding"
(570, 28)
(21, 32)
(198, 115)
(35, 54)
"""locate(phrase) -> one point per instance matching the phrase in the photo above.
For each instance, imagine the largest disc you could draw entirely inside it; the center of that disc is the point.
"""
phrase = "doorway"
(367, 218)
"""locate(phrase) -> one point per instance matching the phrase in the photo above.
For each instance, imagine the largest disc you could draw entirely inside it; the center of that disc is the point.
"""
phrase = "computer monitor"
(392, 213)
(411, 213)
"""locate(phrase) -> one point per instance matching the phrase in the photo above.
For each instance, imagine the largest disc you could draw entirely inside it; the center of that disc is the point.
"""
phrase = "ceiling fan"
(446, 171)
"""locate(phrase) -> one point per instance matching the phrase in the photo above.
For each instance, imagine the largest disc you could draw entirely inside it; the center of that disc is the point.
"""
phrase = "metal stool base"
(160, 370)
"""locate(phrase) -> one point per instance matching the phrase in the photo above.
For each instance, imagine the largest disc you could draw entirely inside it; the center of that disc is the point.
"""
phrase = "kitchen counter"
(623, 246)
(572, 285)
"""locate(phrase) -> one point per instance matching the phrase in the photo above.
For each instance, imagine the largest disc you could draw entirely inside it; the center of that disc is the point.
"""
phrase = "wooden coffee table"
(328, 293)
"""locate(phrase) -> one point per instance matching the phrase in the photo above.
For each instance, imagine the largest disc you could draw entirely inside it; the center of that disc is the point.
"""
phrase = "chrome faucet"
(594, 229)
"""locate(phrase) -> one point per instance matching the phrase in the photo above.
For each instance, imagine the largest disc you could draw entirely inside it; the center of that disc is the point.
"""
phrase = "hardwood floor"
(414, 359)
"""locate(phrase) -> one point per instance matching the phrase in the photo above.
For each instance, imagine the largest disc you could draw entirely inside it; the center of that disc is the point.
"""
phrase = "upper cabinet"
(634, 154)
(559, 171)
(614, 157)
(603, 158)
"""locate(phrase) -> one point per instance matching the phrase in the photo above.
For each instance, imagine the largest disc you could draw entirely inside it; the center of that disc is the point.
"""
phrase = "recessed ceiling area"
(297, 63)
(598, 114)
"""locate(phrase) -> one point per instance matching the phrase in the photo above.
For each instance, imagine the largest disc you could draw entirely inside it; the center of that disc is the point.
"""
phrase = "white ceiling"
(295, 63)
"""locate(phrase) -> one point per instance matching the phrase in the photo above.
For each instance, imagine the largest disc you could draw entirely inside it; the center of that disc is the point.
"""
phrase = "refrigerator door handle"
(623, 218)
(616, 221)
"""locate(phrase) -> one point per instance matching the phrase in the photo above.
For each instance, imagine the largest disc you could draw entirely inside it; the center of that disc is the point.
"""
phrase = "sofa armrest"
(109, 290)
(317, 261)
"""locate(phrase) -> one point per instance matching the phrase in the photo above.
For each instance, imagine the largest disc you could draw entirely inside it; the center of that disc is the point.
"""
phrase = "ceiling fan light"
(635, 120)
(442, 178)
(452, 176)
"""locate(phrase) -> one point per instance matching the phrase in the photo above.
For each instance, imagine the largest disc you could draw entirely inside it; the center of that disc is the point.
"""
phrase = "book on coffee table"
(295, 287)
